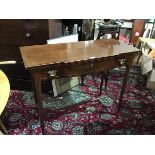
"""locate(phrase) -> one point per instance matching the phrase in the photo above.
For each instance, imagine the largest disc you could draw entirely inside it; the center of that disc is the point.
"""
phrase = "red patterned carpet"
(80, 111)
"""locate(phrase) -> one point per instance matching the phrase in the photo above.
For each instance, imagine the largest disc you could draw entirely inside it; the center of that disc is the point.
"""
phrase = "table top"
(4, 91)
(42, 55)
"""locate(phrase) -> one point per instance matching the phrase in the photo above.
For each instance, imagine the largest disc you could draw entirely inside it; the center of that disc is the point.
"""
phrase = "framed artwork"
(64, 84)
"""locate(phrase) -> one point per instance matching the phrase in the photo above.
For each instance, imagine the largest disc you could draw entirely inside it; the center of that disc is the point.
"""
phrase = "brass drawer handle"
(27, 35)
(122, 61)
(52, 73)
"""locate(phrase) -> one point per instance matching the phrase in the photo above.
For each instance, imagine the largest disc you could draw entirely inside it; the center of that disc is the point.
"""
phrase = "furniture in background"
(149, 27)
(153, 34)
(104, 76)
(134, 28)
(148, 61)
(140, 43)
(88, 29)
(24, 32)
(4, 95)
(152, 28)
(137, 30)
(75, 59)
(68, 26)
(114, 30)
(106, 28)
(126, 30)
(84, 27)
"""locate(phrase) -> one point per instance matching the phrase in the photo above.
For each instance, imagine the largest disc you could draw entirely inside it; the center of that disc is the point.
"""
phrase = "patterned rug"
(81, 111)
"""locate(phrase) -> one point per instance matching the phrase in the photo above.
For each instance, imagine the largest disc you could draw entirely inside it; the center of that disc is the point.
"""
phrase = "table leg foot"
(36, 82)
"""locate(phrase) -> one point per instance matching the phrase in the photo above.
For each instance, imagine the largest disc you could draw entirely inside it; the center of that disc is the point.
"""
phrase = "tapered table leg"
(36, 82)
(82, 79)
(101, 84)
(123, 85)
(106, 79)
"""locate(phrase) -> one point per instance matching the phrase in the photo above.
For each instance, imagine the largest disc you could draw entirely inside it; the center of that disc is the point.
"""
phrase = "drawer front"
(56, 71)
(32, 36)
(91, 67)
(86, 67)
(35, 31)
(20, 32)
(23, 32)
(79, 68)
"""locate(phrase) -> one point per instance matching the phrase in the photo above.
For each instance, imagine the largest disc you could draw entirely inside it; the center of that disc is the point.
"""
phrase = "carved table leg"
(36, 82)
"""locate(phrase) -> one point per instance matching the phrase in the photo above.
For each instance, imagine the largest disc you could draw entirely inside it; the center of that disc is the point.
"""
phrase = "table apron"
(82, 68)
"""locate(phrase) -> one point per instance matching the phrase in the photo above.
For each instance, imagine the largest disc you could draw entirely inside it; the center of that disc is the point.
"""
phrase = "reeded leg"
(36, 82)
